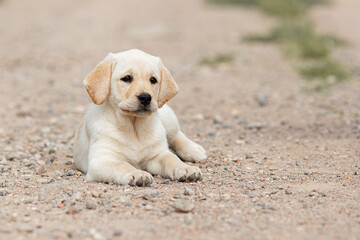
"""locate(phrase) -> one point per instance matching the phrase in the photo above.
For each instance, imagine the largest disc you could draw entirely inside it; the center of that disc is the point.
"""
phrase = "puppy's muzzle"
(144, 99)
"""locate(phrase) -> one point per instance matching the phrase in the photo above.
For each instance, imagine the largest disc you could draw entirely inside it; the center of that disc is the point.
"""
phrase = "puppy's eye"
(153, 80)
(127, 78)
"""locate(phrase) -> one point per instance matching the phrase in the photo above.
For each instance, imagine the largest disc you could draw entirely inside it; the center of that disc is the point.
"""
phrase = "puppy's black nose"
(144, 99)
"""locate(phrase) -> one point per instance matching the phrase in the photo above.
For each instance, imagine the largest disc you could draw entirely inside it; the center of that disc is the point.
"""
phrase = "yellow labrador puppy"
(127, 131)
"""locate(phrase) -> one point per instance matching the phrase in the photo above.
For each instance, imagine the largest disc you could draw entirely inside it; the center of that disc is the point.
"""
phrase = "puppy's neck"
(132, 119)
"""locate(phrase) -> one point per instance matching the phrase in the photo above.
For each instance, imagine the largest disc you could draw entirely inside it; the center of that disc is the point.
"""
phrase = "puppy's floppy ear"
(168, 87)
(97, 82)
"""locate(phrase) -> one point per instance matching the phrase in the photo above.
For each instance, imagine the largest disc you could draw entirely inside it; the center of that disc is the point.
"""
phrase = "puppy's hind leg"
(187, 150)
(168, 165)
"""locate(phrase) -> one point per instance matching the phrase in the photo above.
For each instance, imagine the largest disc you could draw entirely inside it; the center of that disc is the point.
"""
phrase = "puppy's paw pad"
(188, 174)
(138, 178)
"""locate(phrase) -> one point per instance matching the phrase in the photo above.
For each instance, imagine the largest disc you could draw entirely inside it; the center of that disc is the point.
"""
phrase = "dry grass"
(217, 60)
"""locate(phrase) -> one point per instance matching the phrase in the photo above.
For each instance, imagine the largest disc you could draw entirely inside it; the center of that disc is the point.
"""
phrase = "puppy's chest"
(141, 141)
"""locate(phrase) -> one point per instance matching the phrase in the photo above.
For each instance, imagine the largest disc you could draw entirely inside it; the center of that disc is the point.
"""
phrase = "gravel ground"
(283, 163)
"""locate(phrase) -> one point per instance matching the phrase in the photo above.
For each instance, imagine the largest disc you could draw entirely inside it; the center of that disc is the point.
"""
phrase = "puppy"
(128, 129)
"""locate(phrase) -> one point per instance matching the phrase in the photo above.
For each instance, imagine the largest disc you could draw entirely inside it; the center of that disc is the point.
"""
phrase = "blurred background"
(263, 84)
(227, 55)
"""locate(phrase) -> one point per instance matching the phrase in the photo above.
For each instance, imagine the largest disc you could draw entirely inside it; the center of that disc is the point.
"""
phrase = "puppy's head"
(133, 82)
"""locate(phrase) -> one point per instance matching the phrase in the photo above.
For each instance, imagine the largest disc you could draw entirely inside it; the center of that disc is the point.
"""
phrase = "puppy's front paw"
(192, 152)
(188, 173)
(138, 178)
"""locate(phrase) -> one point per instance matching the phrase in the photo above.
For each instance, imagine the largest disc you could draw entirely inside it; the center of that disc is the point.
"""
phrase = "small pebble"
(117, 233)
(41, 170)
(149, 207)
(77, 196)
(72, 210)
(267, 206)
(262, 99)
(356, 173)
(217, 119)
(51, 151)
(96, 194)
(51, 181)
(71, 172)
(188, 191)
(288, 192)
(298, 163)
(25, 228)
(95, 234)
(183, 205)
(41, 197)
(249, 156)
(199, 117)
(239, 142)
(242, 122)
(28, 200)
(147, 196)
(166, 181)
(150, 194)
(10, 157)
(6, 230)
(3, 193)
(90, 204)
(227, 196)
(250, 187)
(255, 126)
(312, 194)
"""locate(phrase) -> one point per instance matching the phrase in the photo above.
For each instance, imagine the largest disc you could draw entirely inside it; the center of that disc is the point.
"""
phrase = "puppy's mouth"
(141, 112)
(135, 109)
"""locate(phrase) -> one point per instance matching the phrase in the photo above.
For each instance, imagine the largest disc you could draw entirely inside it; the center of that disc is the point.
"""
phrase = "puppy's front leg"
(105, 168)
(170, 166)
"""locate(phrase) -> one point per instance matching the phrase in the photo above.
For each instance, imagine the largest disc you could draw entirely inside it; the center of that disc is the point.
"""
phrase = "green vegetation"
(300, 40)
(296, 35)
(329, 71)
(287, 8)
(217, 60)
(284, 32)
(233, 2)
(277, 8)
(337, 111)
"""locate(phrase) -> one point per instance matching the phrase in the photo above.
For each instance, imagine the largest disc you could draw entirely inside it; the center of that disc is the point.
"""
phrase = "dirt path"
(280, 171)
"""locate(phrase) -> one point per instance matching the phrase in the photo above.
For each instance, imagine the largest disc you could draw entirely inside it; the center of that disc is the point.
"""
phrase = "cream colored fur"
(120, 142)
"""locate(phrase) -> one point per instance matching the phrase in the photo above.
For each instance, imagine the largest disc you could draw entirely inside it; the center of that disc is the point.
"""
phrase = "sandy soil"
(285, 170)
